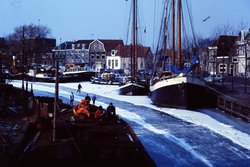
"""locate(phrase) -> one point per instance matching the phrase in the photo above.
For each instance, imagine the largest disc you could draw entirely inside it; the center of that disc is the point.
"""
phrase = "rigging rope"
(129, 22)
(192, 24)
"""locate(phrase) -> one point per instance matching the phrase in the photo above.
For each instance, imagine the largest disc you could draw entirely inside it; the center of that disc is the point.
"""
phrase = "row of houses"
(96, 54)
(227, 55)
(102, 54)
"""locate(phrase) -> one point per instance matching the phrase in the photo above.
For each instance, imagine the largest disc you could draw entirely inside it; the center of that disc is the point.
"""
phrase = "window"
(222, 68)
(109, 63)
(112, 64)
(116, 63)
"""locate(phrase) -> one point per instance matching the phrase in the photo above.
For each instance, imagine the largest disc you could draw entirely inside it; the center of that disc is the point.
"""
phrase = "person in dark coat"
(111, 110)
(79, 88)
(87, 97)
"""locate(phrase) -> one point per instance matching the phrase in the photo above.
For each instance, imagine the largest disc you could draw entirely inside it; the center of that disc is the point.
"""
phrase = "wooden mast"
(134, 44)
(173, 33)
(164, 40)
(179, 34)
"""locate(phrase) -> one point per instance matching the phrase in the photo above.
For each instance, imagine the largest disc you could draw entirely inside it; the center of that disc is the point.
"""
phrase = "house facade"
(120, 58)
(71, 52)
(220, 56)
(242, 53)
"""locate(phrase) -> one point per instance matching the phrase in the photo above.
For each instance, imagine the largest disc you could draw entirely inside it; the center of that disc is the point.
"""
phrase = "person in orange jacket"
(82, 108)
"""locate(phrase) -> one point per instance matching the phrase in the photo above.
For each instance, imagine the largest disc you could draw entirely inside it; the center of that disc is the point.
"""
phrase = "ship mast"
(179, 34)
(134, 41)
(179, 9)
(164, 39)
(173, 33)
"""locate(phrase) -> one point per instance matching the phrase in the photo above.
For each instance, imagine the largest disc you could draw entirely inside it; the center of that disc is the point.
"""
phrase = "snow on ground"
(237, 132)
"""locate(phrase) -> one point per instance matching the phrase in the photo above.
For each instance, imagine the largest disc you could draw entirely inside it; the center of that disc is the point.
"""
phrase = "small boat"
(76, 73)
(106, 78)
(134, 86)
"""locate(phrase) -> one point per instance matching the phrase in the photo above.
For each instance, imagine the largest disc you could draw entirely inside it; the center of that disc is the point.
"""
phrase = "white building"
(243, 53)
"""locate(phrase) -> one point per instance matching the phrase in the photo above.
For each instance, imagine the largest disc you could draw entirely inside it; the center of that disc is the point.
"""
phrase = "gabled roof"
(109, 44)
(225, 44)
(78, 43)
(65, 45)
(125, 50)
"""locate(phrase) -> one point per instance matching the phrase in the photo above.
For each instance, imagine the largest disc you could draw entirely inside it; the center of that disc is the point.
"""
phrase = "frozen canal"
(172, 137)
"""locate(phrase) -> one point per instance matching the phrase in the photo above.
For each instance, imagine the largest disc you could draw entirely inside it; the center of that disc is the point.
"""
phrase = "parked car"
(214, 77)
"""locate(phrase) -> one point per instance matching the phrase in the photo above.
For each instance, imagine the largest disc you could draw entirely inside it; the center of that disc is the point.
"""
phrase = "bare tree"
(243, 25)
(225, 29)
(29, 31)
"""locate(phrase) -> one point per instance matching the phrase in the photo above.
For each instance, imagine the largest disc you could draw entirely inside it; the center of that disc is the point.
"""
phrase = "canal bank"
(233, 100)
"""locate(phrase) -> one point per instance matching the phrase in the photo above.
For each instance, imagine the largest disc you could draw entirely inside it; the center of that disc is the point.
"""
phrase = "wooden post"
(55, 103)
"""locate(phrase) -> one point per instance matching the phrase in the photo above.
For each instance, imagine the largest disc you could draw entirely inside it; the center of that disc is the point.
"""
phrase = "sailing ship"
(134, 86)
(178, 86)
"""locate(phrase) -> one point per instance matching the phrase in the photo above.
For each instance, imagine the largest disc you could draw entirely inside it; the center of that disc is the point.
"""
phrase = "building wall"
(97, 54)
(114, 61)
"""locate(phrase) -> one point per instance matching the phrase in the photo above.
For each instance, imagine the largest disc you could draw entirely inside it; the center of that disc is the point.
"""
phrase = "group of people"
(86, 110)
(90, 110)
(71, 96)
(109, 113)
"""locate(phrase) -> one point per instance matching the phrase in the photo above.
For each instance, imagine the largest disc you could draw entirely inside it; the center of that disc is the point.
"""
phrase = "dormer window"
(113, 52)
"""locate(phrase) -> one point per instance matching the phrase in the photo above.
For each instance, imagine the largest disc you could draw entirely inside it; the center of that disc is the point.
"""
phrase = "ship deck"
(87, 142)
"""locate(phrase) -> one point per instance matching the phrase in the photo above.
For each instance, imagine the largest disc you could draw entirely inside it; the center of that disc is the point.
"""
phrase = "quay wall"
(234, 106)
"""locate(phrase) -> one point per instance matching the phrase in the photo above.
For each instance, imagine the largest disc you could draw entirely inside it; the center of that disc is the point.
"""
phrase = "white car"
(215, 78)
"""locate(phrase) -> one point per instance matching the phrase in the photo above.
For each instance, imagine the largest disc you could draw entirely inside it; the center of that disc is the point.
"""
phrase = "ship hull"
(182, 92)
(72, 77)
(133, 89)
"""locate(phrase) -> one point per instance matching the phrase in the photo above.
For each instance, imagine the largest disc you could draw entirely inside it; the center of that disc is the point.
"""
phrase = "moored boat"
(182, 92)
(182, 88)
(85, 141)
(134, 86)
